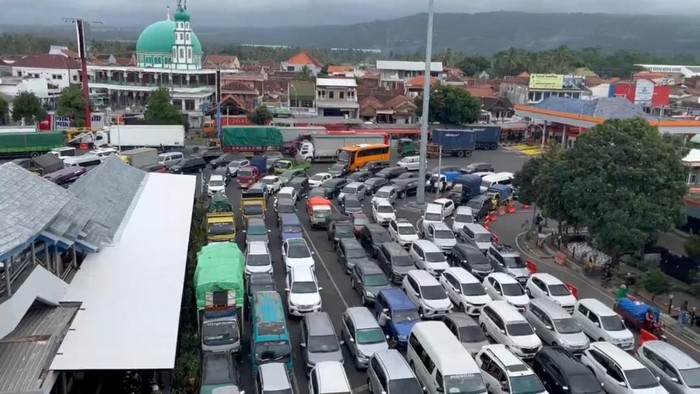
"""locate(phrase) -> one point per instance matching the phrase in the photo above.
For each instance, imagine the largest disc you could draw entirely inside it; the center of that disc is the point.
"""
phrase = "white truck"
(140, 157)
(324, 147)
(162, 137)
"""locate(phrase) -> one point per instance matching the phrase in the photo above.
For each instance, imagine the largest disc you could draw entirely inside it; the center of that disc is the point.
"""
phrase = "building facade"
(337, 97)
(394, 74)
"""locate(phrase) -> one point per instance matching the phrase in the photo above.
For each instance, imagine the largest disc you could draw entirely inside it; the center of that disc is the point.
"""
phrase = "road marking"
(328, 272)
(592, 285)
(294, 382)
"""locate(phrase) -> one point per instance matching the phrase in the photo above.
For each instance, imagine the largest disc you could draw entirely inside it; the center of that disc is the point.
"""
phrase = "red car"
(358, 222)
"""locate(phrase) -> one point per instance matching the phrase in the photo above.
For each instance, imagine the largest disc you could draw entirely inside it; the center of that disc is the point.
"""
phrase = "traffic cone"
(525, 206)
(511, 208)
(501, 210)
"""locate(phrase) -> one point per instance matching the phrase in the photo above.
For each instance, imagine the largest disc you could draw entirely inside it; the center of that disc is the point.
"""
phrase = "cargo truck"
(454, 142)
(324, 147)
(220, 295)
(250, 139)
(221, 221)
(162, 137)
(487, 137)
(29, 144)
(140, 157)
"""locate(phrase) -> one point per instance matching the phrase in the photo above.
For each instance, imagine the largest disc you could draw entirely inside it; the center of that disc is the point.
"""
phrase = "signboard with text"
(546, 81)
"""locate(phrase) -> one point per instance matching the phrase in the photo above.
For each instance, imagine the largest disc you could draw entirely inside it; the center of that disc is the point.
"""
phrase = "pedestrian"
(622, 291)
(692, 316)
(494, 202)
(383, 318)
(539, 222)
(590, 266)
(684, 305)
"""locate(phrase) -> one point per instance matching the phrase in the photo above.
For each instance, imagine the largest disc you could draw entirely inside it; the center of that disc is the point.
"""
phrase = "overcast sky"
(305, 12)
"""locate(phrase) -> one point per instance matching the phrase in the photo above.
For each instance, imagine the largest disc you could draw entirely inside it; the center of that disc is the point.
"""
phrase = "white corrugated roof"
(130, 293)
(339, 82)
(407, 66)
(693, 157)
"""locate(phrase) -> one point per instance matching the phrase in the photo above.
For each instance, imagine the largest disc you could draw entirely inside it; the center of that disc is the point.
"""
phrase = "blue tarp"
(636, 309)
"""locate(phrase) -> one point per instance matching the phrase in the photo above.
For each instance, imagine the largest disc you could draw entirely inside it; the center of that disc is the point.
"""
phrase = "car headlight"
(368, 294)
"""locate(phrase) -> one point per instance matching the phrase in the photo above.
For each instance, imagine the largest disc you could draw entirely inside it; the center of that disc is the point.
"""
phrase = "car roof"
(381, 201)
(442, 201)
(256, 222)
(375, 228)
(289, 218)
(462, 275)
(506, 357)
(258, 247)
(399, 367)
(506, 310)
(350, 243)
(362, 317)
(423, 276)
(287, 189)
(216, 176)
(440, 226)
(286, 200)
(260, 277)
(297, 241)
(565, 360)
(476, 228)
(480, 197)
(463, 208)
(621, 357)
(403, 222)
(548, 279)
(467, 248)
(426, 245)
(386, 188)
(397, 299)
(433, 208)
(270, 177)
(596, 306)
(274, 376)
(355, 184)
(461, 319)
(302, 274)
(369, 267)
(502, 277)
(322, 174)
(674, 355)
(333, 378)
(319, 323)
(554, 310)
(394, 248)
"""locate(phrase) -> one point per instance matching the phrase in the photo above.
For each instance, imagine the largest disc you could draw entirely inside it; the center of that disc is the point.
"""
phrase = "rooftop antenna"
(167, 17)
(185, 5)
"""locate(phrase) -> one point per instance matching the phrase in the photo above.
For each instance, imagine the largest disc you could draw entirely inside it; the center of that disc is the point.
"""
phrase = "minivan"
(427, 256)
(303, 293)
(389, 373)
(319, 341)
(440, 362)
(563, 373)
(272, 378)
(464, 290)
(501, 178)
(427, 293)
(467, 330)
(190, 165)
(469, 257)
(555, 326)
(328, 377)
(505, 325)
(395, 261)
(476, 235)
(403, 313)
(679, 373)
(169, 158)
(601, 323)
(368, 280)
(362, 335)
(258, 258)
(503, 372)
(86, 161)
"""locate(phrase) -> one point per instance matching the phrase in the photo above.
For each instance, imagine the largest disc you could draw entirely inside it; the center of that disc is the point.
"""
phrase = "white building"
(337, 97)
(44, 75)
(685, 71)
(394, 74)
(301, 61)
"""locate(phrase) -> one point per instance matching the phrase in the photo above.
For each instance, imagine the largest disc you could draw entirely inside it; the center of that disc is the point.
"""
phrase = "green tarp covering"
(259, 137)
(220, 203)
(220, 267)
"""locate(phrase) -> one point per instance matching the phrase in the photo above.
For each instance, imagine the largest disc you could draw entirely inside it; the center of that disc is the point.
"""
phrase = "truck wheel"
(460, 153)
(492, 146)
(468, 153)
(310, 159)
(34, 154)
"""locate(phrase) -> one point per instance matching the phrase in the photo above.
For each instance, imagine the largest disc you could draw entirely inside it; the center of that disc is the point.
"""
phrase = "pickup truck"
(253, 203)
(318, 209)
(221, 221)
(283, 165)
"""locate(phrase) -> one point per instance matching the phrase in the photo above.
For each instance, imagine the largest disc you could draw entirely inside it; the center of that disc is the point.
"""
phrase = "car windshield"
(526, 384)
(432, 292)
(405, 316)
(405, 386)
(217, 333)
(567, 326)
(691, 377)
(519, 329)
(349, 189)
(269, 181)
(471, 334)
(385, 209)
(289, 174)
(234, 164)
(318, 177)
(304, 288)
(257, 230)
(559, 290)
(407, 230)
(612, 323)
(486, 183)
(444, 234)
(298, 251)
(512, 289)
(432, 217)
(291, 229)
(382, 194)
(337, 167)
(323, 344)
(380, 237)
(475, 205)
(244, 173)
(402, 261)
(482, 237)
(322, 212)
(464, 218)
(352, 203)
(341, 231)
(286, 195)
(469, 383)
(513, 262)
(473, 289)
(258, 260)
(216, 183)
(434, 257)
(361, 221)
(355, 253)
(220, 228)
(376, 280)
(584, 384)
(272, 351)
(283, 164)
(641, 378)
(344, 156)
(286, 208)
(370, 335)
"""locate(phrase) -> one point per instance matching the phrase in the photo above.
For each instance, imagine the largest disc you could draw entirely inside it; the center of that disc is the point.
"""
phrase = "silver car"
(388, 193)
(256, 230)
(441, 236)
(467, 330)
(356, 189)
(318, 340)
(362, 335)
(678, 372)
(555, 326)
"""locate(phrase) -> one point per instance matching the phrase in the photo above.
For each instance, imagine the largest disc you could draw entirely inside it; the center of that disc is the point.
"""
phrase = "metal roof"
(604, 108)
(337, 82)
(26, 353)
(407, 66)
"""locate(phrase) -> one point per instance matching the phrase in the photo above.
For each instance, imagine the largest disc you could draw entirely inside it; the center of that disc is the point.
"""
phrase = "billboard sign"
(644, 91)
(546, 81)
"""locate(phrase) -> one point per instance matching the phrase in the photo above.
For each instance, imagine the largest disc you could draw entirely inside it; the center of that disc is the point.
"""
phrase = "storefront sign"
(546, 81)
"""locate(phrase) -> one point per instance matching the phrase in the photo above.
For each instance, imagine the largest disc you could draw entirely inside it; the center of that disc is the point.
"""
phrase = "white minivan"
(441, 363)
(501, 178)
(601, 323)
(502, 322)
(86, 161)
(503, 372)
(426, 293)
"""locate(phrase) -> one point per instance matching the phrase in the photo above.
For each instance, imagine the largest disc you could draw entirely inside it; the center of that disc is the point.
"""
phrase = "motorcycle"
(658, 329)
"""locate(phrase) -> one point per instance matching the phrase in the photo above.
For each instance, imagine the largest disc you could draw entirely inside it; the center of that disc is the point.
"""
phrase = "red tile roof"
(370, 76)
(481, 91)
(400, 101)
(340, 69)
(304, 59)
(47, 61)
(240, 86)
(70, 54)
(418, 82)
(524, 74)
(219, 61)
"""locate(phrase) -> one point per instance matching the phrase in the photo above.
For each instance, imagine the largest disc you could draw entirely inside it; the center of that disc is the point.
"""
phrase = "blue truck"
(455, 142)
(487, 136)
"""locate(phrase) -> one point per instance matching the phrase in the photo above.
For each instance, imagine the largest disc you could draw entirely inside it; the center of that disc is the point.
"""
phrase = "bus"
(357, 156)
(269, 336)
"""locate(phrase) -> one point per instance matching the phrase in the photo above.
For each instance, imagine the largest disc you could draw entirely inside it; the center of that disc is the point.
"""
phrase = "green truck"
(250, 139)
(29, 144)
(220, 294)
(283, 165)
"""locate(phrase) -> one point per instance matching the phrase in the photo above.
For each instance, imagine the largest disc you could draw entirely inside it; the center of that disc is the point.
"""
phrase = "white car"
(272, 183)
(504, 287)
(428, 257)
(287, 192)
(463, 216)
(216, 184)
(317, 180)
(296, 253)
(505, 325)
(303, 293)
(601, 323)
(103, 153)
(403, 232)
(411, 163)
(447, 206)
(258, 258)
(432, 214)
(382, 211)
(234, 165)
(425, 292)
(464, 290)
(543, 285)
(441, 236)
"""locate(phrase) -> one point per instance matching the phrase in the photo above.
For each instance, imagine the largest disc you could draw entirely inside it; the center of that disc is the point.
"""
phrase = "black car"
(406, 175)
(373, 184)
(359, 176)
(480, 205)
(372, 237)
(375, 166)
(339, 227)
(317, 192)
(477, 167)
(223, 160)
(287, 176)
(395, 261)
(339, 170)
(391, 172)
(407, 187)
(471, 259)
(443, 169)
(301, 185)
(189, 165)
(333, 187)
(563, 373)
(351, 204)
(210, 154)
(350, 251)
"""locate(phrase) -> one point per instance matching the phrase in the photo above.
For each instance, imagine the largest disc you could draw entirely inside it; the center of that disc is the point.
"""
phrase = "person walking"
(590, 266)
(692, 317)
(622, 291)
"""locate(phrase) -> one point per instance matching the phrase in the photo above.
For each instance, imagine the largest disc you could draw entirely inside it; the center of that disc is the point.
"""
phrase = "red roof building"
(301, 61)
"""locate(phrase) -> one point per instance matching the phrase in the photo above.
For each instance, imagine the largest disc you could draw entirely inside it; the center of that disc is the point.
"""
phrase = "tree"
(160, 109)
(473, 65)
(624, 181)
(451, 105)
(261, 115)
(525, 180)
(27, 108)
(71, 104)
(656, 283)
(692, 247)
(306, 74)
(4, 111)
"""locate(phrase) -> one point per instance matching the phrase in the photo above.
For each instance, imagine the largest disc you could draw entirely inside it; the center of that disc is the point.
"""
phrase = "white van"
(86, 161)
(601, 323)
(441, 363)
(329, 377)
(170, 158)
(501, 178)
(506, 373)
(502, 322)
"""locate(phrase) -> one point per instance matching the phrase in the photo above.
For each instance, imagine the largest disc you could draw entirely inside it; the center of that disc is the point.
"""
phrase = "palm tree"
(306, 74)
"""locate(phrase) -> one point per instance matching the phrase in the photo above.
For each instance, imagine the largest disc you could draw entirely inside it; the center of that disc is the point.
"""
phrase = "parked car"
(359, 176)
(507, 260)
(356, 189)
(368, 280)
(272, 378)
(288, 175)
(679, 372)
(317, 180)
(544, 285)
(272, 183)
(319, 342)
(339, 170)
(411, 163)
(480, 205)
(387, 193)
(447, 206)
(359, 220)
(555, 326)
(362, 335)
(469, 257)
(441, 235)
(223, 160)
(503, 372)
(407, 187)
(403, 313)
(189, 165)
(425, 292)
(389, 372)
(619, 371)
(428, 257)
(217, 183)
(339, 227)
(234, 165)
(477, 167)
(333, 187)
(505, 325)
(463, 216)
(382, 211)
(303, 293)
(350, 251)
(296, 253)
(158, 168)
(501, 286)
(373, 184)
(351, 204)
(403, 232)
(464, 290)
(376, 166)
(563, 373)
(395, 261)
(390, 173)
(601, 323)
(467, 330)
(372, 237)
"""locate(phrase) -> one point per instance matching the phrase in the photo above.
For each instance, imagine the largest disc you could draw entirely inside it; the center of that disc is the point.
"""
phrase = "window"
(341, 95)
(189, 53)
(187, 37)
(182, 53)
(174, 53)
(330, 94)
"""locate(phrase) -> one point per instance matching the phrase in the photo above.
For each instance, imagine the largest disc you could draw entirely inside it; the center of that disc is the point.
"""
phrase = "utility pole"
(420, 197)
(80, 27)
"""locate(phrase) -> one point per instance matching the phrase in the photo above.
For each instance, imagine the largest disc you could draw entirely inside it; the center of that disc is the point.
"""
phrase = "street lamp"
(296, 96)
(420, 196)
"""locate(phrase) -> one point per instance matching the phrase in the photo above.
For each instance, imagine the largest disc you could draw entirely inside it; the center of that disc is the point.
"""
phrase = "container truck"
(140, 157)
(162, 137)
(487, 136)
(220, 294)
(250, 139)
(29, 144)
(324, 147)
(455, 142)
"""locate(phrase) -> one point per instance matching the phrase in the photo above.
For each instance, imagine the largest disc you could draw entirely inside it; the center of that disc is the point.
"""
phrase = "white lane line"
(295, 384)
(592, 286)
(328, 272)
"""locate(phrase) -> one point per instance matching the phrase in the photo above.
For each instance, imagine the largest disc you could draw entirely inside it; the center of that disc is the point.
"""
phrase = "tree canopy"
(261, 115)
(71, 104)
(622, 180)
(27, 107)
(4, 111)
(160, 110)
(451, 105)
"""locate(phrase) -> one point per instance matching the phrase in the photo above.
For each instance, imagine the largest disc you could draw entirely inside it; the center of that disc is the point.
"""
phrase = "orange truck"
(318, 209)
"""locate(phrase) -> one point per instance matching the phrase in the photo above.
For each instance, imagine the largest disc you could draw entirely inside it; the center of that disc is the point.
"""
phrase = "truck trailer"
(486, 136)
(162, 137)
(455, 142)
(140, 157)
(29, 144)
(324, 147)
(250, 139)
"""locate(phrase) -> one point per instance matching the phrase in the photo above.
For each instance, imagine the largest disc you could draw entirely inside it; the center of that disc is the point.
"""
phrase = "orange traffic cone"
(511, 208)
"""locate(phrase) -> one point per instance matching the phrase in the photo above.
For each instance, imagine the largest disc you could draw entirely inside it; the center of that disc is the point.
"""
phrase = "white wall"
(60, 77)
(298, 68)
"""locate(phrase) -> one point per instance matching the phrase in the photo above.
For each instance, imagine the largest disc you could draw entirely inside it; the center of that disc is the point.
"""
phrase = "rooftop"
(45, 60)
(407, 66)
(304, 59)
(605, 108)
(337, 82)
